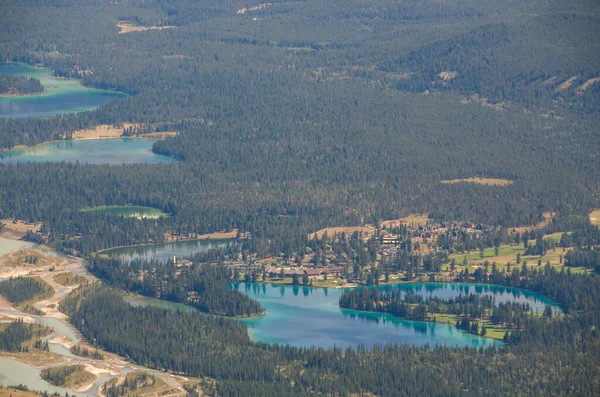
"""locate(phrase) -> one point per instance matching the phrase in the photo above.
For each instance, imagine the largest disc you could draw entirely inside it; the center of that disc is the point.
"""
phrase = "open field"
(80, 379)
(566, 84)
(480, 181)
(101, 131)
(129, 28)
(595, 217)
(142, 384)
(366, 231)
(223, 235)
(411, 219)
(25, 262)
(587, 85)
(110, 131)
(69, 279)
(508, 253)
(492, 330)
(17, 229)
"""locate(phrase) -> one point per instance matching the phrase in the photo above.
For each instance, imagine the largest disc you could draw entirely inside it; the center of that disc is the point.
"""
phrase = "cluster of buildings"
(312, 273)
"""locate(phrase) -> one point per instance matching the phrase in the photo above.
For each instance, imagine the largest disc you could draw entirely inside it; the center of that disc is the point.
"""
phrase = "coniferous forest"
(19, 85)
(545, 356)
(293, 116)
(312, 114)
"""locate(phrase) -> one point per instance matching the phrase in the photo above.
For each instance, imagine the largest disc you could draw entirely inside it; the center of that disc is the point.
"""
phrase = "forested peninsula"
(19, 85)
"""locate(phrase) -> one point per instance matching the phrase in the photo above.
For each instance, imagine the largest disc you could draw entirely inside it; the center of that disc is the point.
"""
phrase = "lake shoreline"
(12, 96)
(75, 96)
(203, 237)
(132, 150)
(25, 147)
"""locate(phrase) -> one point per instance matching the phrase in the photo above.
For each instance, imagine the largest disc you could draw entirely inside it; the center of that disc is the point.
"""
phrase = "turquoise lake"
(162, 252)
(306, 316)
(61, 95)
(104, 151)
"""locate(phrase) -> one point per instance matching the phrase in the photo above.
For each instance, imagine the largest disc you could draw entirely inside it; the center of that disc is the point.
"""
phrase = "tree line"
(201, 345)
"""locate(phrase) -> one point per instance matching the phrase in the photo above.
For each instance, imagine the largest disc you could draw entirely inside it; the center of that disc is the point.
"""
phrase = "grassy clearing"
(480, 181)
(332, 282)
(68, 279)
(508, 254)
(492, 330)
(411, 219)
(138, 384)
(17, 229)
(125, 27)
(24, 259)
(595, 217)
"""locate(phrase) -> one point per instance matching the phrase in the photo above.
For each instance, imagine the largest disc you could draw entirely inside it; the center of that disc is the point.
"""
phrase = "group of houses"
(299, 271)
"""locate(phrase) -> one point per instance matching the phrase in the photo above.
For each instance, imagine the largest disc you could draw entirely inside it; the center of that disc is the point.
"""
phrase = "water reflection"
(313, 317)
(167, 251)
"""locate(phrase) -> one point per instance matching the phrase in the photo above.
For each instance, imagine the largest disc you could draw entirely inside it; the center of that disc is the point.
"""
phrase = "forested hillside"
(312, 114)
(292, 116)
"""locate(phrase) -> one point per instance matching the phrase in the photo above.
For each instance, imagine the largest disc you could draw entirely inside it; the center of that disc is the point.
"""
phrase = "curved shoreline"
(203, 237)
(14, 96)
(25, 147)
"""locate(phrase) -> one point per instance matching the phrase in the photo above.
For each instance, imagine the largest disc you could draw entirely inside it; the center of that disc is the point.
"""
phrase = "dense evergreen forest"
(298, 115)
(203, 287)
(21, 289)
(19, 85)
(566, 347)
(15, 333)
(312, 114)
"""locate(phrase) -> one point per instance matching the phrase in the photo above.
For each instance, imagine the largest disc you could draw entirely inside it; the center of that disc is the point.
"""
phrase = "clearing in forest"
(587, 85)
(595, 217)
(566, 84)
(366, 231)
(17, 229)
(109, 131)
(129, 27)
(140, 384)
(69, 279)
(480, 181)
(409, 220)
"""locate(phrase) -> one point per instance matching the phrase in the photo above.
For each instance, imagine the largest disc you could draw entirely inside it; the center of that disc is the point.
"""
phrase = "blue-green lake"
(60, 96)
(167, 251)
(306, 316)
(107, 151)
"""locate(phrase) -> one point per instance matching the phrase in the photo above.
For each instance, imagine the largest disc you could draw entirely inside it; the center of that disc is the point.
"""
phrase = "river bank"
(24, 367)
